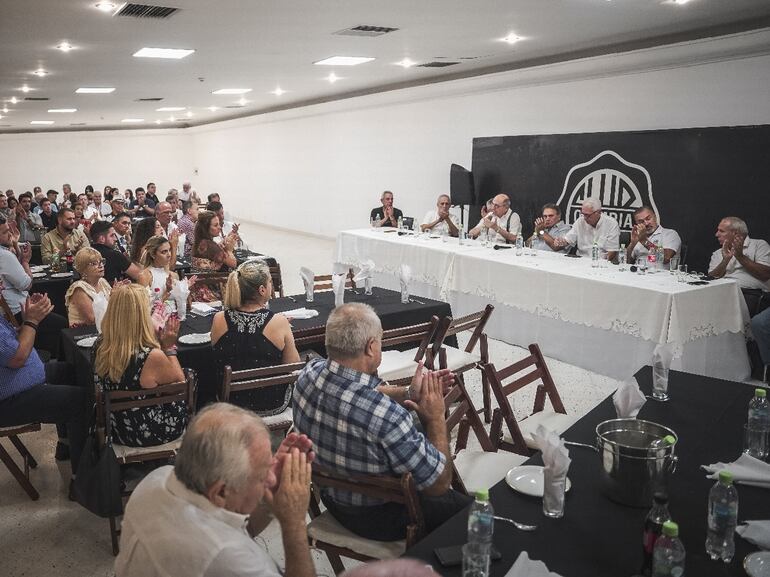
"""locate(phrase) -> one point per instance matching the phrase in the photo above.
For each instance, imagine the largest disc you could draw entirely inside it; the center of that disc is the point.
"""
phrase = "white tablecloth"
(600, 319)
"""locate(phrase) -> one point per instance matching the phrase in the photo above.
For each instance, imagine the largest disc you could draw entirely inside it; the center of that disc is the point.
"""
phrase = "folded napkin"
(307, 280)
(302, 313)
(366, 271)
(756, 532)
(338, 286)
(746, 470)
(100, 307)
(661, 363)
(556, 463)
(202, 309)
(180, 243)
(404, 276)
(180, 290)
(526, 567)
(628, 399)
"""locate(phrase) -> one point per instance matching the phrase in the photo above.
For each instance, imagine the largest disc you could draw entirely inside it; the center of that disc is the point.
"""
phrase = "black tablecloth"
(597, 537)
(386, 303)
(55, 288)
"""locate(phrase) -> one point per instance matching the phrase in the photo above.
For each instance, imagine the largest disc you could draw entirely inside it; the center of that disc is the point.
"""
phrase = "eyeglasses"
(98, 263)
(587, 214)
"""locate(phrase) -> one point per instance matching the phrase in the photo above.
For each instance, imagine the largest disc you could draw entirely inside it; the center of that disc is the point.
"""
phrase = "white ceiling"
(263, 44)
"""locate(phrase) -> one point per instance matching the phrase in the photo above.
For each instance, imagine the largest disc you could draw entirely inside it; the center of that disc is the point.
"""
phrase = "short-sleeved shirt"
(509, 222)
(116, 264)
(140, 212)
(357, 429)
(15, 279)
(442, 227)
(378, 214)
(556, 231)
(53, 243)
(186, 226)
(666, 237)
(15, 381)
(606, 234)
(757, 250)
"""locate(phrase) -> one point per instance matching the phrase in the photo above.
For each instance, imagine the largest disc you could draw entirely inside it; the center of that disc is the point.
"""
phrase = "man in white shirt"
(747, 260)
(647, 233)
(188, 194)
(441, 221)
(593, 226)
(199, 517)
(164, 212)
(501, 224)
(30, 224)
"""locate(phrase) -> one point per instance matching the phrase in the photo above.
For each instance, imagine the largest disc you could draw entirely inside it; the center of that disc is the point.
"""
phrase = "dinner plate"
(87, 342)
(757, 564)
(195, 339)
(61, 275)
(528, 479)
(39, 275)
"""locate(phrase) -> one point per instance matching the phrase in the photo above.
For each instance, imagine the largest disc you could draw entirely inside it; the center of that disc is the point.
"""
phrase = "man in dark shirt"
(116, 265)
(387, 214)
(47, 215)
(142, 206)
(151, 193)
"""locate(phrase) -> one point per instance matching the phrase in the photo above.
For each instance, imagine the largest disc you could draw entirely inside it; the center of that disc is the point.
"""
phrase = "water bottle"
(400, 223)
(595, 255)
(622, 258)
(481, 524)
(722, 518)
(653, 527)
(652, 257)
(519, 246)
(660, 257)
(758, 426)
(668, 554)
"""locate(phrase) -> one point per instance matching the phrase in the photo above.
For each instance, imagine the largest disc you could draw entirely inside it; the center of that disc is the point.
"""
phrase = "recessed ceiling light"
(332, 78)
(406, 63)
(87, 90)
(40, 72)
(232, 91)
(62, 110)
(158, 121)
(678, 2)
(278, 91)
(343, 61)
(105, 6)
(169, 109)
(213, 108)
(25, 89)
(132, 120)
(172, 53)
(5, 110)
(1, 116)
(172, 119)
(14, 100)
(65, 47)
(512, 38)
(189, 114)
(42, 122)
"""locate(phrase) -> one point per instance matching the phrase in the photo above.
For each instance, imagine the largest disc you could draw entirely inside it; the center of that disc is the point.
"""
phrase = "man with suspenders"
(501, 223)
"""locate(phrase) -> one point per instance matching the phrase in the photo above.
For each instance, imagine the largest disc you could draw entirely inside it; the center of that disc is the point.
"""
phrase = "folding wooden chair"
(215, 281)
(326, 533)
(310, 341)
(519, 439)
(109, 402)
(22, 476)
(323, 282)
(256, 379)
(398, 365)
(275, 274)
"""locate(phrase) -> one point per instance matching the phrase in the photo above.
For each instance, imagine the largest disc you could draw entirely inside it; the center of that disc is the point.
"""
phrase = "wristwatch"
(541, 232)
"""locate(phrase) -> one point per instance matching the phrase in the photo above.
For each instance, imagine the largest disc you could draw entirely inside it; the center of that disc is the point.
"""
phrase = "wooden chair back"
(255, 379)
(323, 282)
(275, 274)
(475, 322)
(308, 338)
(215, 280)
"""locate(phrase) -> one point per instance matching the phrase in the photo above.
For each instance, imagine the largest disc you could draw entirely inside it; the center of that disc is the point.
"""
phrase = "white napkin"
(338, 286)
(556, 461)
(301, 313)
(100, 307)
(404, 276)
(180, 244)
(746, 470)
(526, 567)
(756, 532)
(628, 399)
(365, 272)
(307, 279)
(202, 309)
(180, 290)
(661, 363)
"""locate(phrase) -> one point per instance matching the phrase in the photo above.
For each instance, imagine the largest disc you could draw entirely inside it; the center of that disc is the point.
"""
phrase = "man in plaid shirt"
(361, 425)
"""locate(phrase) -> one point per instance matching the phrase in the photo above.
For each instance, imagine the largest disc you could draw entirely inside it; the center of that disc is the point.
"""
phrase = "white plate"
(39, 275)
(195, 339)
(528, 479)
(757, 564)
(38, 268)
(61, 275)
(87, 342)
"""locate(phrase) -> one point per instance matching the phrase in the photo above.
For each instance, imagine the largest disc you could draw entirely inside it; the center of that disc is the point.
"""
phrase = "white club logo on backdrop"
(621, 186)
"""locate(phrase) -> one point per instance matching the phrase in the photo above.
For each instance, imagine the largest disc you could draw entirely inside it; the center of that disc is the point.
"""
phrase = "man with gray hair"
(593, 226)
(441, 221)
(747, 260)
(360, 424)
(501, 224)
(199, 517)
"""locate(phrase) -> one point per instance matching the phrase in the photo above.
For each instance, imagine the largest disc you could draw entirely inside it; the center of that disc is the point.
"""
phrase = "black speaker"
(461, 186)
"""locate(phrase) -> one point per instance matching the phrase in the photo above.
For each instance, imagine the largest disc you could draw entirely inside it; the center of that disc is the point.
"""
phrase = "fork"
(519, 526)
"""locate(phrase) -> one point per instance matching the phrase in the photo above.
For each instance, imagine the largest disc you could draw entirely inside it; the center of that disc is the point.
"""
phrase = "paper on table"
(628, 400)
(526, 567)
(556, 463)
(307, 279)
(756, 532)
(202, 309)
(746, 470)
(100, 307)
(301, 313)
(338, 286)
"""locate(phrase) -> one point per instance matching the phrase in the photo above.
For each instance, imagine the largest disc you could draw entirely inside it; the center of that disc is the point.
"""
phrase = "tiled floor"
(53, 536)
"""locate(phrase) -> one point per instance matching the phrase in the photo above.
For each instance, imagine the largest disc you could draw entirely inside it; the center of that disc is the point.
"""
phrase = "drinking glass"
(553, 494)
(682, 273)
(368, 286)
(641, 265)
(755, 442)
(475, 560)
(404, 294)
(673, 264)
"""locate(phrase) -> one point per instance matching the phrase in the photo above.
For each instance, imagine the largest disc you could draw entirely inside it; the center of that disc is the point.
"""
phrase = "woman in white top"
(157, 273)
(80, 296)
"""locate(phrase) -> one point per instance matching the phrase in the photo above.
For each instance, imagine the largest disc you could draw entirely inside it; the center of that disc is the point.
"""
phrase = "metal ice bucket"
(632, 467)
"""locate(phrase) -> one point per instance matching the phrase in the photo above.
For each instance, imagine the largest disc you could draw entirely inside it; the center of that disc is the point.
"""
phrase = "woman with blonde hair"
(249, 335)
(130, 356)
(79, 298)
(157, 274)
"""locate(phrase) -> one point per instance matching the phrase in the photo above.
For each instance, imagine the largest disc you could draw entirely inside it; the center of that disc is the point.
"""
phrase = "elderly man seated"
(66, 237)
(747, 260)
(501, 224)
(199, 517)
(548, 227)
(593, 226)
(647, 234)
(441, 221)
(362, 425)
(387, 214)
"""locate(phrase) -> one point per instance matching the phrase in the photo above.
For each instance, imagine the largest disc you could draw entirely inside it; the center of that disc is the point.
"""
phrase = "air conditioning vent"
(365, 30)
(155, 99)
(36, 98)
(77, 123)
(437, 64)
(145, 11)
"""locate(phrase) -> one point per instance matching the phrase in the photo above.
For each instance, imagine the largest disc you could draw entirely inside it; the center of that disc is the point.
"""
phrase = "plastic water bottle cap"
(669, 440)
(670, 529)
(760, 393)
(482, 495)
(725, 477)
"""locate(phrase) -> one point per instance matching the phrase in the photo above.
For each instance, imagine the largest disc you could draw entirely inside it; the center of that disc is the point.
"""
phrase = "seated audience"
(186, 225)
(12, 204)
(142, 206)
(52, 196)
(117, 206)
(47, 214)
(441, 221)
(225, 227)
(364, 426)
(176, 204)
(247, 335)
(502, 225)
(747, 260)
(647, 233)
(130, 356)
(188, 194)
(65, 238)
(387, 214)
(156, 260)
(213, 197)
(200, 517)
(79, 298)
(548, 228)
(30, 224)
(117, 266)
(208, 256)
(122, 226)
(143, 231)
(165, 214)
(592, 226)
(128, 194)
(152, 194)
(83, 224)
(760, 327)
(5, 212)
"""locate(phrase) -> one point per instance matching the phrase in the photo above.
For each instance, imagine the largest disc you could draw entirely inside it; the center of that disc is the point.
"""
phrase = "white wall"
(121, 158)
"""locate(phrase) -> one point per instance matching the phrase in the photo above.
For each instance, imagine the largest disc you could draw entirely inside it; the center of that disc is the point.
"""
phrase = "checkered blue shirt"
(357, 429)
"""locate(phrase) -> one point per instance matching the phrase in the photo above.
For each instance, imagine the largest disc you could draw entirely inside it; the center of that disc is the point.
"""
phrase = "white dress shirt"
(606, 234)
(169, 530)
(442, 227)
(667, 237)
(509, 222)
(757, 250)
(15, 279)
(90, 211)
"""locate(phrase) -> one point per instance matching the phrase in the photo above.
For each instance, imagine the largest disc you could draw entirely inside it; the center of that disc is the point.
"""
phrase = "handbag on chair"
(97, 484)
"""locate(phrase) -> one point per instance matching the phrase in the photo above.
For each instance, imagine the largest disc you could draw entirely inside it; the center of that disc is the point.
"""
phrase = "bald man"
(501, 224)
(441, 221)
